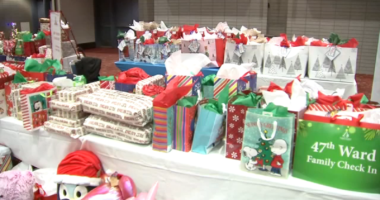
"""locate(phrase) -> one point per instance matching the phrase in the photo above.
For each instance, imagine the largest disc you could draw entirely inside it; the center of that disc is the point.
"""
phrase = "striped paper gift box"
(187, 80)
(183, 127)
(247, 83)
(163, 129)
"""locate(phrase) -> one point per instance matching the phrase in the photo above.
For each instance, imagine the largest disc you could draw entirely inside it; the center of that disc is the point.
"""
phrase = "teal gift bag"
(268, 140)
(209, 130)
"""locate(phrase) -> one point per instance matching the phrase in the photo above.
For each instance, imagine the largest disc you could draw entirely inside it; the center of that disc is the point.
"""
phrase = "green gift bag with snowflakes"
(340, 153)
(268, 140)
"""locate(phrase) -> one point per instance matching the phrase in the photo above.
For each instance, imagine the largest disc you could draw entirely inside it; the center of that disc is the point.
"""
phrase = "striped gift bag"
(248, 82)
(5, 159)
(187, 80)
(184, 114)
(163, 129)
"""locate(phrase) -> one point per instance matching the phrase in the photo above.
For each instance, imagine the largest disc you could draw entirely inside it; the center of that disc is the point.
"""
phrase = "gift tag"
(239, 50)
(194, 46)
(332, 53)
(269, 114)
(122, 45)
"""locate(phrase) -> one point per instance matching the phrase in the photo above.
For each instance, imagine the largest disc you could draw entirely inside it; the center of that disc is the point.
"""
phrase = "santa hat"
(80, 168)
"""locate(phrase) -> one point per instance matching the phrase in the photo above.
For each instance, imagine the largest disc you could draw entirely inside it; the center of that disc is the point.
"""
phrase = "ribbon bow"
(240, 39)
(288, 88)
(152, 90)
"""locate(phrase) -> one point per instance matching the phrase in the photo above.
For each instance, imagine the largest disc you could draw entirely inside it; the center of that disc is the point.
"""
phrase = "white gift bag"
(252, 53)
(285, 62)
(332, 63)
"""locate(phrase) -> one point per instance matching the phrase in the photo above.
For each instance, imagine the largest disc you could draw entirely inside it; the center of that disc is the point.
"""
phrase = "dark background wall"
(15, 11)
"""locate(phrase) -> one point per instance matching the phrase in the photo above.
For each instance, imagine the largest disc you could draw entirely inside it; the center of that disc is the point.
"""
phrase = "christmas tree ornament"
(77, 174)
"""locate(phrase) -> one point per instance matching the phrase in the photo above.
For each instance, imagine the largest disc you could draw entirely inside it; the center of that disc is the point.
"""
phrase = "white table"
(182, 176)
(38, 148)
(329, 86)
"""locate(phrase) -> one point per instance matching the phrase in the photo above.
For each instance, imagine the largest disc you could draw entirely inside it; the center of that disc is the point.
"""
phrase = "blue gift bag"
(208, 131)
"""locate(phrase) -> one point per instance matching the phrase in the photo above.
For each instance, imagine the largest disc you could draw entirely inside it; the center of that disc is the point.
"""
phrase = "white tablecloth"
(181, 176)
(329, 86)
(38, 148)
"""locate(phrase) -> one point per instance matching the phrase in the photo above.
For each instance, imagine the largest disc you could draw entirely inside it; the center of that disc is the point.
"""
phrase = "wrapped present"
(66, 106)
(127, 80)
(4, 78)
(72, 94)
(247, 81)
(107, 82)
(35, 105)
(342, 146)
(73, 123)
(236, 110)
(163, 115)
(32, 85)
(42, 49)
(93, 86)
(268, 140)
(119, 131)
(68, 48)
(184, 118)
(5, 159)
(240, 53)
(44, 26)
(209, 130)
(9, 47)
(158, 80)
(71, 115)
(335, 60)
(284, 58)
(57, 128)
(124, 107)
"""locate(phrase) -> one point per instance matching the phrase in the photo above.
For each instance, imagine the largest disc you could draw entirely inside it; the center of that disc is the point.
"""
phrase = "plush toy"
(144, 196)
(16, 185)
(116, 187)
(77, 174)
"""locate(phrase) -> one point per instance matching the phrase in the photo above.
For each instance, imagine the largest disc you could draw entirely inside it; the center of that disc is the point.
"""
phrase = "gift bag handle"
(48, 96)
(262, 134)
(244, 75)
(357, 120)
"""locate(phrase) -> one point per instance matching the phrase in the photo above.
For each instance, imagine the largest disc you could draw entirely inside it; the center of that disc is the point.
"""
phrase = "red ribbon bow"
(288, 88)
(151, 90)
(189, 28)
(241, 40)
(132, 76)
(149, 41)
(41, 88)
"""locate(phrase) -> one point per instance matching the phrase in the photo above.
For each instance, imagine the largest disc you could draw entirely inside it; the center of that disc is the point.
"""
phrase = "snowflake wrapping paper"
(117, 130)
(251, 54)
(332, 63)
(235, 130)
(132, 109)
(76, 132)
(285, 62)
(154, 80)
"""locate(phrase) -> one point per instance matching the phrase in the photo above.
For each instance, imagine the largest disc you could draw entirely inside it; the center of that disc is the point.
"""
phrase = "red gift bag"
(34, 76)
(38, 44)
(29, 48)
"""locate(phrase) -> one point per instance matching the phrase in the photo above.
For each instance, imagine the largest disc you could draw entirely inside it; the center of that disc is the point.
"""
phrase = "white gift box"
(332, 63)
(66, 106)
(252, 53)
(119, 131)
(285, 62)
(51, 126)
(3, 104)
(73, 123)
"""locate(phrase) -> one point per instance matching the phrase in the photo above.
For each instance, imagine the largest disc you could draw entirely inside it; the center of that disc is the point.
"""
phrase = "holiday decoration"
(246, 82)
(77, 174)
(267, 143)
(186, 80)
(16, 185)
(116, 187)
(158, 80)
